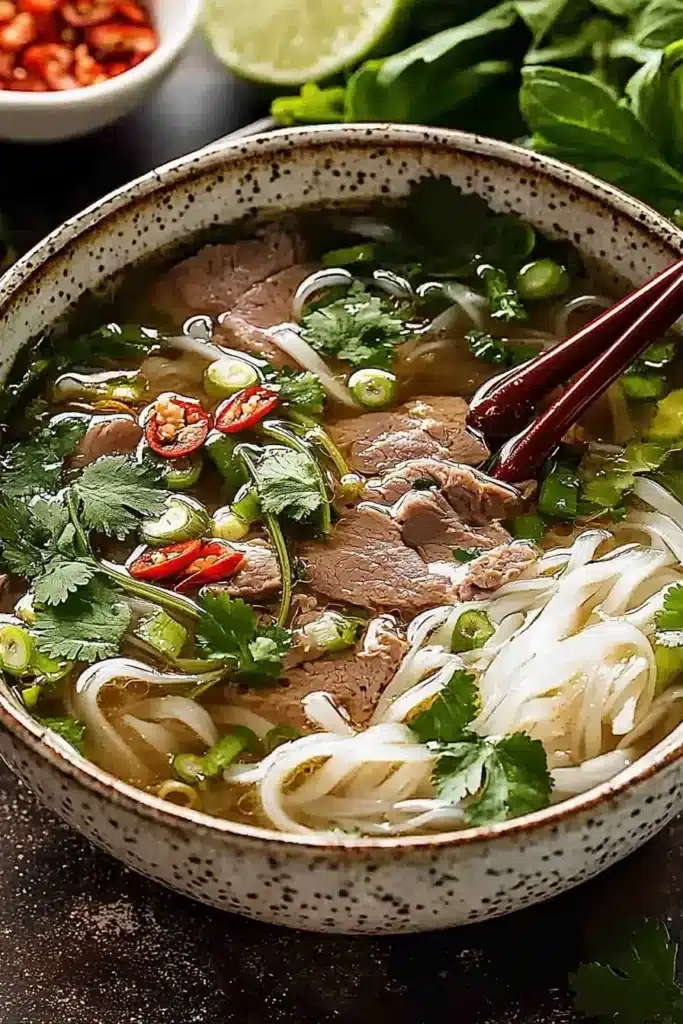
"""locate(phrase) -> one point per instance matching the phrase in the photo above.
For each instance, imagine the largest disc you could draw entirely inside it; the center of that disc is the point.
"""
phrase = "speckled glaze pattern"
(346, 885)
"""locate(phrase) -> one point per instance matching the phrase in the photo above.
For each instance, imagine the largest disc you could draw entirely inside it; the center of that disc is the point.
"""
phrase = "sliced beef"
(366, 563)
(107, 435)
(270, 301)
(429, 524)
(260, 576)
(218, 275)
(234, 332)
(495, 568)
(421, 428)
(475, 497)
(354, 679)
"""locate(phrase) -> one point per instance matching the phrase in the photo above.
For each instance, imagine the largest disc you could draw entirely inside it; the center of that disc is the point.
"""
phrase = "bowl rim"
(265, 147)
(170, 46)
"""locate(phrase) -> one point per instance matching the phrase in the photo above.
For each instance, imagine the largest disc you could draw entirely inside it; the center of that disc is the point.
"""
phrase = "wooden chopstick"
(506, 402)
(522, 455)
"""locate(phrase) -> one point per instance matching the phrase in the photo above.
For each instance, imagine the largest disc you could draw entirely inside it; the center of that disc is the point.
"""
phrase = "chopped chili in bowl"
(55, 45)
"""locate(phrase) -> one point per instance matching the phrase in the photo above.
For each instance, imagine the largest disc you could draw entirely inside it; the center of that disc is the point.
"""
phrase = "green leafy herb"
(671, 615)
(32, 533)
(229, 631)
(502, 779)
(68, 728)
(302, 390)
(631, 978)
(115, 492)
(110, 343)
(35, 466)
(360, 329)
(506, 303)
(311, 106)
(451, 712)
(498, 351)
(464, 554)
(87, 627)
(60, 579)
(288, 483)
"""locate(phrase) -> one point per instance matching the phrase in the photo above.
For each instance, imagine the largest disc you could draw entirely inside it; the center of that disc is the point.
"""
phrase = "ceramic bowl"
(53, 116)
(346, 884)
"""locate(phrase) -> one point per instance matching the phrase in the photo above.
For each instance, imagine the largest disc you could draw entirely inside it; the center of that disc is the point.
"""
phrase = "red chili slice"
(85, 13)
(116, 38)
(132, 11)
(52, 62)
(161, 563)
(177, 426)
(245, 409)
(216, 561)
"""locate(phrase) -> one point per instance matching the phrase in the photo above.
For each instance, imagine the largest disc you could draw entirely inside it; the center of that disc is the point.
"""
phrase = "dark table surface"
(83, 941)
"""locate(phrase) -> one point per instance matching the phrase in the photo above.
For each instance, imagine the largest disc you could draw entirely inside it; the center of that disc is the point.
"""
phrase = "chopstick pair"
(619, 335)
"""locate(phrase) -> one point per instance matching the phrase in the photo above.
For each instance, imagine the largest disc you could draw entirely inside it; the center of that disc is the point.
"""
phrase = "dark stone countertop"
(84, 941)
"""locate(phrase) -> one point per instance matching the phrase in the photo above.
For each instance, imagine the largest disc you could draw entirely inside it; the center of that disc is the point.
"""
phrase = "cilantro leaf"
(35, 466)
(22, 551)
(288, 483)
(670, 617)
(87, 627)
(111, 342)
(498, 351)
(359, 328)
(301, 389)
(115, 492)
(632, 979)
(68, 728)
(466, 554)
(503, 779)
(229, 631)
(61, 578)
(454, 708)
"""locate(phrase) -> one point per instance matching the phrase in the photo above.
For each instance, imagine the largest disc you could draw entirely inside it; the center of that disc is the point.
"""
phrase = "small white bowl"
(53, 116)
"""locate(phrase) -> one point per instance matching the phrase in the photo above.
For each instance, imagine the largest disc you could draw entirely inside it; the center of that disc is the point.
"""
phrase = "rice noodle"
(569, 662)
(659, 498)
(393, 284)
(333, 277)
(287, 337)
(179, 709)
(574, 306)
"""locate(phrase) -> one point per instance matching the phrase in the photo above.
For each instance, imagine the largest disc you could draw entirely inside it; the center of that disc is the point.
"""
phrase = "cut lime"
(290, 42)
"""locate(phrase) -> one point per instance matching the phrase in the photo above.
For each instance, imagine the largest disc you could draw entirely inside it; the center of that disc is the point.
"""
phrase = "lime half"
(290, 42)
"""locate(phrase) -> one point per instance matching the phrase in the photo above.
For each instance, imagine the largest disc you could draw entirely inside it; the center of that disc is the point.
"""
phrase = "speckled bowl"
(345, 885)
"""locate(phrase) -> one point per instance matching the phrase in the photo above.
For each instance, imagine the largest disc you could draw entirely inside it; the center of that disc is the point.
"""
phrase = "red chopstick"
(520, 457)
(506, 402)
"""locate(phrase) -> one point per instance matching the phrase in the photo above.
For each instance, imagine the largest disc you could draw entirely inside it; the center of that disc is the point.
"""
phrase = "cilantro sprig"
(631, 978)
(496, 779)
(360, 329)
(229, 631)
(114, 493)
(35, 466)
(87, 627)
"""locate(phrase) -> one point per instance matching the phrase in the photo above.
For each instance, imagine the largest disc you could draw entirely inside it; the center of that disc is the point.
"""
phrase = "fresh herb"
(452, 711)
(498, 351)
(60, 579)
(302, 390)
(115, 492)
(529, 527)
(229, 631)
(87, 627)
(559, 494)
(68, 728)
(34, 533)
(671, 615)
(463, 554)
(506, 303)
(360, 329)
(35, 466)
(631, 977)
(288, 483)
(311, 106)
(499, 779)
(110, 343)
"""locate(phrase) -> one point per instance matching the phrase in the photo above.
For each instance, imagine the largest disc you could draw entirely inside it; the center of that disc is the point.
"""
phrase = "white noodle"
(659, 497)
(574, 306)
(287, 337)
(318, 282)
(179, 709)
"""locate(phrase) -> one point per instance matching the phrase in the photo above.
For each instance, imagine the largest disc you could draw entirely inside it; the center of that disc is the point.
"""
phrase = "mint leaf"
(454, 708)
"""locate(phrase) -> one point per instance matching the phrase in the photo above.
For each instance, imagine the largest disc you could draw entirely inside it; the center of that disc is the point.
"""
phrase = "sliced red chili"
(19, 32)
(177, 426)
(85, 13)
(52, 62)
(116, 38)
(132, 11)
(216, 561)
(245, 409)
(162, 563)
